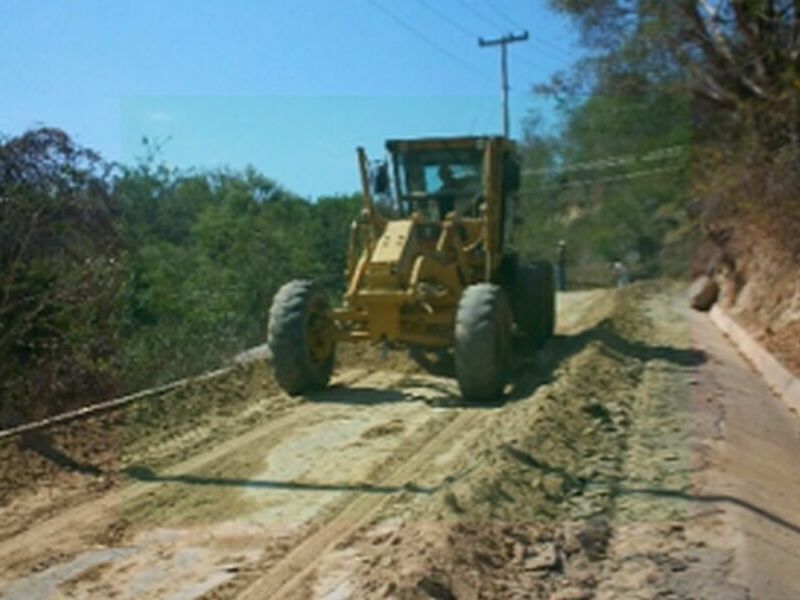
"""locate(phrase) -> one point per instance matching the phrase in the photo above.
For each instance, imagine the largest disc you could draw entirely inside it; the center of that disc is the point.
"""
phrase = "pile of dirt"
(535, 501)
(558, 455)
(466, 561)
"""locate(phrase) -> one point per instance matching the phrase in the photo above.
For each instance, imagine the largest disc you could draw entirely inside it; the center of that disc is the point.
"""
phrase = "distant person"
(561, 266)
(622, 273)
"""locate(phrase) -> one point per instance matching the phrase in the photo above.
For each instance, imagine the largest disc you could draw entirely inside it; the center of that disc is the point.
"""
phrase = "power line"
(444, 16)
(530, 63)
(410, 28)
(481, 16)
(501, 14)
(517, 24)
(610, 179)
(610, 161)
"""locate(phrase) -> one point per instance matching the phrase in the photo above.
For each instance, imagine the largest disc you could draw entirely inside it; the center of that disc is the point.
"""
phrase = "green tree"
(206, 252)
(737, 59)
(59, 259)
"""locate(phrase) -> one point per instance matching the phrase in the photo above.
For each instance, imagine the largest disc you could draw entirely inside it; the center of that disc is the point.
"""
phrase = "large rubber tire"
(482, 342)
(302, 354)
(534, 303)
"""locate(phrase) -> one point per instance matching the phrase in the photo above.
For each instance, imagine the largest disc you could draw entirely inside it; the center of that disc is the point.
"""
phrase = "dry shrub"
(750, 185)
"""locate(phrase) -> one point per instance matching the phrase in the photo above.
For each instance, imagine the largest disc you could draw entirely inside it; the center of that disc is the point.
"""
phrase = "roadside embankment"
(758, 272)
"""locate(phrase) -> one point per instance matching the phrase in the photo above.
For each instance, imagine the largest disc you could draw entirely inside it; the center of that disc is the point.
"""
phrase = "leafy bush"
(120, 278)
(59, 259)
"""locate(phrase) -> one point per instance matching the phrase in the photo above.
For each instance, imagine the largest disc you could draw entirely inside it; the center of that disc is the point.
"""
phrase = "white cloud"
(160, 116)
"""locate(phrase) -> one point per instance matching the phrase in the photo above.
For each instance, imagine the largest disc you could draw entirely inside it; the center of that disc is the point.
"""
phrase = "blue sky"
(289, 86)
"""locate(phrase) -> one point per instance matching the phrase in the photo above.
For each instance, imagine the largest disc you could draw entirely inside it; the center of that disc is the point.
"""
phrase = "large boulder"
(703, 293)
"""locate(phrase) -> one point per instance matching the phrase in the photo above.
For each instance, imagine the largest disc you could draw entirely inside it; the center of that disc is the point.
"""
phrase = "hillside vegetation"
(683, 120)
(117, 278)
(678, 152)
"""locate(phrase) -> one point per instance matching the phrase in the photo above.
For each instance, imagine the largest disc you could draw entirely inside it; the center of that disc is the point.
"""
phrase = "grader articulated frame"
(430, 266)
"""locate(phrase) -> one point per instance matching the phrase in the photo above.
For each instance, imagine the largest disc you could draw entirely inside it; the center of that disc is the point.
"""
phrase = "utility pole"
(503, 42)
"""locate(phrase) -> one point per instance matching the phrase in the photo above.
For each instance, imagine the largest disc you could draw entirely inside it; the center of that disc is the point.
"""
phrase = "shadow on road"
(43, 446)
(712, 499)
(528, 373)
(146, 475)
(439, 392)
(579, 484)
(358, 395)
(606, 333)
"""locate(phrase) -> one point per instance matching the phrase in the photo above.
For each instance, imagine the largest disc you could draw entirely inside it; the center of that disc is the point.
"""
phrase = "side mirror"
(380, 179)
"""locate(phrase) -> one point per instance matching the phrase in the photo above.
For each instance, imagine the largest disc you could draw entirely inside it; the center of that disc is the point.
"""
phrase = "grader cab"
(431, 267)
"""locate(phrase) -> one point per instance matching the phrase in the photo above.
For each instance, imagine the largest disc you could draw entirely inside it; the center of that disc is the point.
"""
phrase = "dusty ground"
(639, 457)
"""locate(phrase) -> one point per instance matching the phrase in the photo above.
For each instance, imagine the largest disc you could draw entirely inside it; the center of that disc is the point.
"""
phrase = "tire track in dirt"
(437, 431)
(535, 514)
(396, 393)
(285, 578)
(68, 531)
(583, 493)
(282, 578)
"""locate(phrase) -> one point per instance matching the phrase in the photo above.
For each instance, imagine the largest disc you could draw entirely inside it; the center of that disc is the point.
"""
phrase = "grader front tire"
(482, 342)
(299, 338)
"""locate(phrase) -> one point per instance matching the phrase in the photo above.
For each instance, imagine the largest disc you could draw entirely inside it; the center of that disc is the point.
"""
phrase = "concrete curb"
(778, 377)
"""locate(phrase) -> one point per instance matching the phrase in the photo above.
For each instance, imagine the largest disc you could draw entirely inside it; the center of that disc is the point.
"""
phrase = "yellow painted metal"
(391, 259)
(407, 275)
(454, 143)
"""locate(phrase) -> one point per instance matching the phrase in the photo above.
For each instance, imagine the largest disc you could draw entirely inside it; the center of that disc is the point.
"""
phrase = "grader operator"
(431, 266)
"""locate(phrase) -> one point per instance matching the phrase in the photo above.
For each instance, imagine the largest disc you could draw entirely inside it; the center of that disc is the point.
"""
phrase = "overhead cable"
(473, 34)
(410, 28)
(515, 24)
(611, 161)
(610, 179)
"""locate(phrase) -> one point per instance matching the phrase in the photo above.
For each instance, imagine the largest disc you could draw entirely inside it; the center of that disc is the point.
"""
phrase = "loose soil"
(622, 463)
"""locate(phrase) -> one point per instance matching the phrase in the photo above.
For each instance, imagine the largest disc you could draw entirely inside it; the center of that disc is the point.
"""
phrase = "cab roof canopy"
(477, 142)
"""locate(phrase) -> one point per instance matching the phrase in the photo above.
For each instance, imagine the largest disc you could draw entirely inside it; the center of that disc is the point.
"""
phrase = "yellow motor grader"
(431, 266)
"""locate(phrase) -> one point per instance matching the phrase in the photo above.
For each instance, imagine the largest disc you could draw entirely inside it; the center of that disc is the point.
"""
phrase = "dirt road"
(639, 457)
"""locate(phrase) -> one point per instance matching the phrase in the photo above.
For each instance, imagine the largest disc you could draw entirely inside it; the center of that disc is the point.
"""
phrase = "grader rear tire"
(534, 303)
(547, 282)
(299, 338)
(482, 342)
(528, 310)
